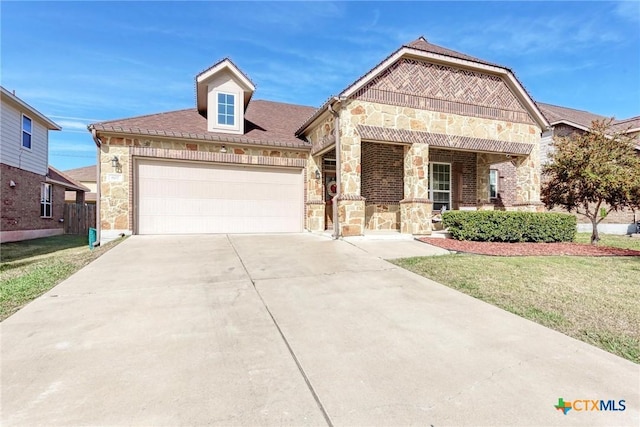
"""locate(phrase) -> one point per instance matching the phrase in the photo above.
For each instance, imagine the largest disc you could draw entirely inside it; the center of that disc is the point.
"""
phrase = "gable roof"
(54, 176)
(10, 97)
(631, 124)
(266, 123)
(422, 49)
(224, 65)
(422, 44)
(582, 119)
(86, 173)
(577, 118)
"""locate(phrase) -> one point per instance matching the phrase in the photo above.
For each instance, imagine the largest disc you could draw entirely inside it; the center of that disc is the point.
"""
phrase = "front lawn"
(593, 299)
(31, 267)
(614, 240)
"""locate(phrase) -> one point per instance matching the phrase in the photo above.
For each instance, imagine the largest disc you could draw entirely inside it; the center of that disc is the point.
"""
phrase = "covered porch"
(405, 179)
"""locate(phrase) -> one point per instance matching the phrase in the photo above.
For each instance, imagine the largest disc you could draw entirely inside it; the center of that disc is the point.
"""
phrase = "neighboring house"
(31, 192)
(566, 121)
(419, 132)
(87, 177)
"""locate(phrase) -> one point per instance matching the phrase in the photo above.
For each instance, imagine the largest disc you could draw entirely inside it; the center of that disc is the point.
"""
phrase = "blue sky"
(82, 62)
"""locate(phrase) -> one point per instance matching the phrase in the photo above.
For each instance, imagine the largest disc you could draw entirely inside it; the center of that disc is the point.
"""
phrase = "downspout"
(336, 136)
(94, 135)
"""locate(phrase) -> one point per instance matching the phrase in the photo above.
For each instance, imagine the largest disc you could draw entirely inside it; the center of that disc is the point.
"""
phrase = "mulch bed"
(526, 249)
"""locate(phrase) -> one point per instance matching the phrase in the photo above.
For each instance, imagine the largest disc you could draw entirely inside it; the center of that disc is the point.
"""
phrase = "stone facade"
(470, 181)
(382, 216)
(116, 185)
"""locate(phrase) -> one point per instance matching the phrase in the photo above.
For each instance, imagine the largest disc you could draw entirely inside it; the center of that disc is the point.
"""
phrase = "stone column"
(528, 181)
(115, 209)
(416, 207)
(315, 204)
(351, 207)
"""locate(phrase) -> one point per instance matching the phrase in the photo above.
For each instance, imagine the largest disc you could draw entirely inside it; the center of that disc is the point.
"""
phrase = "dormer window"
(226, 109)
(222, 96)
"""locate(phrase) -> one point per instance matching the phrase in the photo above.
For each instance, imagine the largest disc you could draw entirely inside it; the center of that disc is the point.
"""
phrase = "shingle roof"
(422, 44)
(266, 123)
(87, 173)
(627, 124)
(555, 114)
(419, 44)
(54, 175)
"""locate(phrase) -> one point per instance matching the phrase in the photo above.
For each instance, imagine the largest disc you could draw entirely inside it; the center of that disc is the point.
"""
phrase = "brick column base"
(315, 216)
(415, 216)
(351, 215)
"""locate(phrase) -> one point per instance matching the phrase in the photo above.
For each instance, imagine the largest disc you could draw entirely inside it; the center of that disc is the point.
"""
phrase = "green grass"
(593, 299)
(617, 241)
(31, 267)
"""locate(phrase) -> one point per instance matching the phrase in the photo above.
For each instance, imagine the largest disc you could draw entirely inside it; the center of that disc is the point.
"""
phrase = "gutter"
(336, 135)
(98, 143)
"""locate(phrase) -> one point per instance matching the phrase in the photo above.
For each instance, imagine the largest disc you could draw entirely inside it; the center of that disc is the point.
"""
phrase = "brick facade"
(418, 84)
(382, 179)
(21, 204)
(463, 175)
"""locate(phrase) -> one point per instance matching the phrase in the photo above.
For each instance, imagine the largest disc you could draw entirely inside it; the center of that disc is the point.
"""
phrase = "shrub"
(501, 226)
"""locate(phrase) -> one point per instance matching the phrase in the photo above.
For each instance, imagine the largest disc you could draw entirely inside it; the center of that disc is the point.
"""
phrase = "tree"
(592, 174)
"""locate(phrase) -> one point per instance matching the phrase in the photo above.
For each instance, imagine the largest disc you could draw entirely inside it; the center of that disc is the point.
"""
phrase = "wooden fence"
(78, 218)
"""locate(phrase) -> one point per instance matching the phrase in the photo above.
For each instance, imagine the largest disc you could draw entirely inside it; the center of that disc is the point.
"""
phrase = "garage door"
(191, 198)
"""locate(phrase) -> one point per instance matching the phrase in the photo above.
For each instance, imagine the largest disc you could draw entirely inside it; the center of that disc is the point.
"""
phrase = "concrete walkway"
(287, 330)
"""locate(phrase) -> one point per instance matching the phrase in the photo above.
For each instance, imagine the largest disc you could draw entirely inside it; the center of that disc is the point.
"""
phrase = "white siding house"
(12, 152)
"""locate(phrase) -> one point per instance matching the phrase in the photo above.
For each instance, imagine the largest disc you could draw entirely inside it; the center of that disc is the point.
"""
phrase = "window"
(226, 109)
(493, 183)
(45, 200)
(440, 185)
(26, 132)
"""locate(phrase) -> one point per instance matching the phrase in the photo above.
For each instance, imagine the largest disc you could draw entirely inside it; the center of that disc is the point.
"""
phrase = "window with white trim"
(26, 132)
(226, 109)
(493, 183)
(440, 185)
(46, 196)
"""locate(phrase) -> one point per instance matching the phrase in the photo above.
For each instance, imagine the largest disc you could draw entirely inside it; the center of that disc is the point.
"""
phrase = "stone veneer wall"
(116, 197)
(382, 216)
(355, 112)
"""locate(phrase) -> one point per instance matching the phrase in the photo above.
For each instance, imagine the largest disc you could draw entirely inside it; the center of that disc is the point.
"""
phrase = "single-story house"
(418, 133)
(87, 176)
(31, 191)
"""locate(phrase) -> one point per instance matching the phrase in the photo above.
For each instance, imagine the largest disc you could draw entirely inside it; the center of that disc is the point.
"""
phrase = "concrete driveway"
(288, 330)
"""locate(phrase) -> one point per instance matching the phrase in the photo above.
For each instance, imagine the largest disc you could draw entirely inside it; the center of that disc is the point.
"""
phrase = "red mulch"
(520, 249)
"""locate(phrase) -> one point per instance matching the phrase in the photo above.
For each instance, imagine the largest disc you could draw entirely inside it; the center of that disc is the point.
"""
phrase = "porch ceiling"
(381, 134)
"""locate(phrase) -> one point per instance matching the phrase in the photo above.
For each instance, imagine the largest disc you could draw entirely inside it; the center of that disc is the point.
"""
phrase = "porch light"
(114, 162)
(317, 173)
(223, 149)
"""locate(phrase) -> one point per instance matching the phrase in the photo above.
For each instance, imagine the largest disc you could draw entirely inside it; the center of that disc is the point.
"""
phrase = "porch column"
(483, 167)
(350, 202)
(415, 208)
(315, 204)
(528, 182)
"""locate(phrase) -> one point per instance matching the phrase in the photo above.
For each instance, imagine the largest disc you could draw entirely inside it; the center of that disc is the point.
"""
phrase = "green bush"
(502, 226)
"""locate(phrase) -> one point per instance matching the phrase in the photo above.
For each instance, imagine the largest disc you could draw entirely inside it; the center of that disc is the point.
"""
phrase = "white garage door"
(191, 198)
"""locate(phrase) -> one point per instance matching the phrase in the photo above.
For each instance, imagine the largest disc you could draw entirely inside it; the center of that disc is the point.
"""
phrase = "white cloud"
(69, 125)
